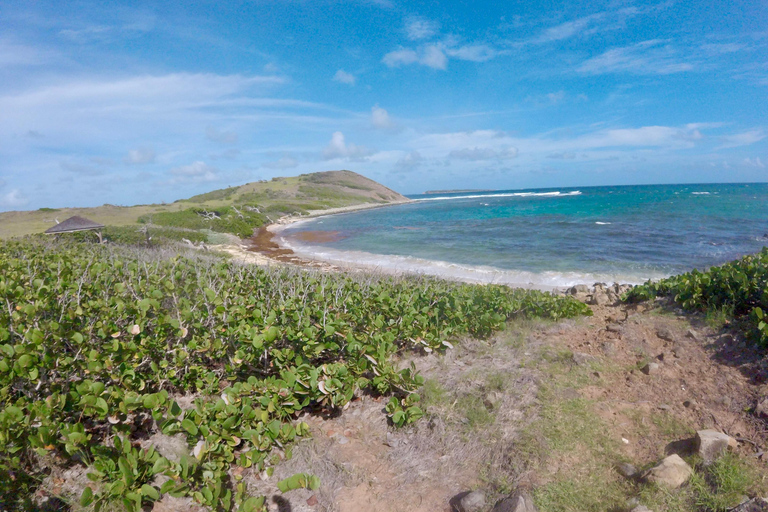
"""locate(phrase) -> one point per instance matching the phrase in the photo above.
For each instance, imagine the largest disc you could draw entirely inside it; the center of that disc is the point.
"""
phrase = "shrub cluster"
(97, 343)
(739, 288)
(228, 219)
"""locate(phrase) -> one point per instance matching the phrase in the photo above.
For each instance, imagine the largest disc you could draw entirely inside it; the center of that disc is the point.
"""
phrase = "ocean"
(547, 238)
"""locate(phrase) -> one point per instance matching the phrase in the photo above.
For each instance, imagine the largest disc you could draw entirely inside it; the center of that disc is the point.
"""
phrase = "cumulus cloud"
(194, 172)
(343, 77)
(13, 199)
(654, 57)
(285, 162)
(417, 28)
(140, 156)
(477, 153)
(221, 137)
(401, 57)
(338, 148)
(380, 119)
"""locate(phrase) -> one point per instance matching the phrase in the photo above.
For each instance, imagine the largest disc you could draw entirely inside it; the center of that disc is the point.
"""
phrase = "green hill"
(234, 210)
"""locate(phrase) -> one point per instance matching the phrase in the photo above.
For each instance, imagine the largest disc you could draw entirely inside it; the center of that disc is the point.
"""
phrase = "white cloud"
(338, 148)
(754, 162)
(285, 162)
(410, 161)
(13, 199)
(652, 57)
(194, 172)
(343, 77)
(432, 56)
(140, 156)
(221, 137)
(477, 154)
(473, 52)
(380, 119)
(417, 28)
(742, 139)
(403, 56)
(567, 29)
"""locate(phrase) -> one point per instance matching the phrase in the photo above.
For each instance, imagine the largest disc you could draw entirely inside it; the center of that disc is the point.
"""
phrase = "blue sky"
(137, 102)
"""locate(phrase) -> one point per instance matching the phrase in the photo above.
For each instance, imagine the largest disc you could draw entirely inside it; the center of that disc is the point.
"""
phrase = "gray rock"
(679, 351)
(650, 368)
(471, 502)
(665, 334)
(710, 444)
(672, 472)
(641, 508)
(517, 502)
(761, 410)
(613, 328)
(579, 288)
(626, 470)
(581, 358)
(599, 298)
(753, 505)
(170, 447)
(692, 334)
(609, 348)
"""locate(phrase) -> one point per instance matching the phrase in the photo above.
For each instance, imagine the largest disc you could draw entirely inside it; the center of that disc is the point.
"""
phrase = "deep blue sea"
(548, 237)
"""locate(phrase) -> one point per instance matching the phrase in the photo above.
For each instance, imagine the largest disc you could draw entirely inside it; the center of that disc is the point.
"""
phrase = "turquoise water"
(549, 237)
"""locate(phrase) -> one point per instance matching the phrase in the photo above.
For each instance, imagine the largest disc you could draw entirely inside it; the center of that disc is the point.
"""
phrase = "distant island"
(458, 191)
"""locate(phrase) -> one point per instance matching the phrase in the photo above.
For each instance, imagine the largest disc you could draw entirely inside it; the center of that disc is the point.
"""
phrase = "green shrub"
(738, 289)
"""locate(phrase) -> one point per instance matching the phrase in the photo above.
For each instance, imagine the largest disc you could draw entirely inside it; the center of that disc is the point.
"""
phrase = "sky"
(142, 102)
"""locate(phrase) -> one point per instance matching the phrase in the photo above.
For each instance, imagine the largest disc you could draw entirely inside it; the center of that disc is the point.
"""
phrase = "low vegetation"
(736, 292)
(102, 347)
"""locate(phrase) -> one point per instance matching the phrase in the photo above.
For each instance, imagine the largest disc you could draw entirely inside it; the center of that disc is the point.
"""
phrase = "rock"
(626, 470)
(692, 334)
(392, 441)
(672, 472)
(517, 502)
(688, 404)
(581, 359)
(761, 410)
(599, 298)
(641, 508)
(170, 504)
(650, 368)
(312, 501)
(471, 502)
(579, 288)
(170, 447)
(609, 348)
(753, 505)
(665, 334)
(613, 328)
(679, 351)
(664, 407)
(710, 444)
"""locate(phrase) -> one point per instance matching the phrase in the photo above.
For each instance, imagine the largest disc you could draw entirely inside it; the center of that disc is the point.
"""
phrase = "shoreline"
(266, 247)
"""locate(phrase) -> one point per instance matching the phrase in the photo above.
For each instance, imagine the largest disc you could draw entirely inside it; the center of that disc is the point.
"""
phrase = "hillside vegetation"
(234, 210)
(105, 348)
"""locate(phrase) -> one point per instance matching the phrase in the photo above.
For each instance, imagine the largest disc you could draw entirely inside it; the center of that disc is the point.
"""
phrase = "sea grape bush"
(98, 344)
(739, 287)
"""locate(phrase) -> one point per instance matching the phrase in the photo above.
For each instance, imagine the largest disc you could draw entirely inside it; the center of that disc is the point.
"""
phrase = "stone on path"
(471, 502)
(650, 368)
(710, 444)
(626, 470)
(517, 502)
(672, 472)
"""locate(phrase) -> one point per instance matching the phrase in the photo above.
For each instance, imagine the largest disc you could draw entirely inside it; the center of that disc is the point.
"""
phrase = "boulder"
(753, 505)
(471, 502)
(579, 288)
(582, 359)
(710, 444)
(672, 472)
(517, 502)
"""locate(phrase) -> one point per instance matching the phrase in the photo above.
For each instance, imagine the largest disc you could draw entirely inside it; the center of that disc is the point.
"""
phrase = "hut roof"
(75, 223)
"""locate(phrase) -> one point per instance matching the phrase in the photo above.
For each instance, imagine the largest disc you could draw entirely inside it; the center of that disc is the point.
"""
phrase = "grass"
(277, 197)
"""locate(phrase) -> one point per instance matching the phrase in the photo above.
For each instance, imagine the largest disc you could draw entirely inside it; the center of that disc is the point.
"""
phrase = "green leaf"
(252, 504)
(87, 497)
(189, 426)
(150, 492)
